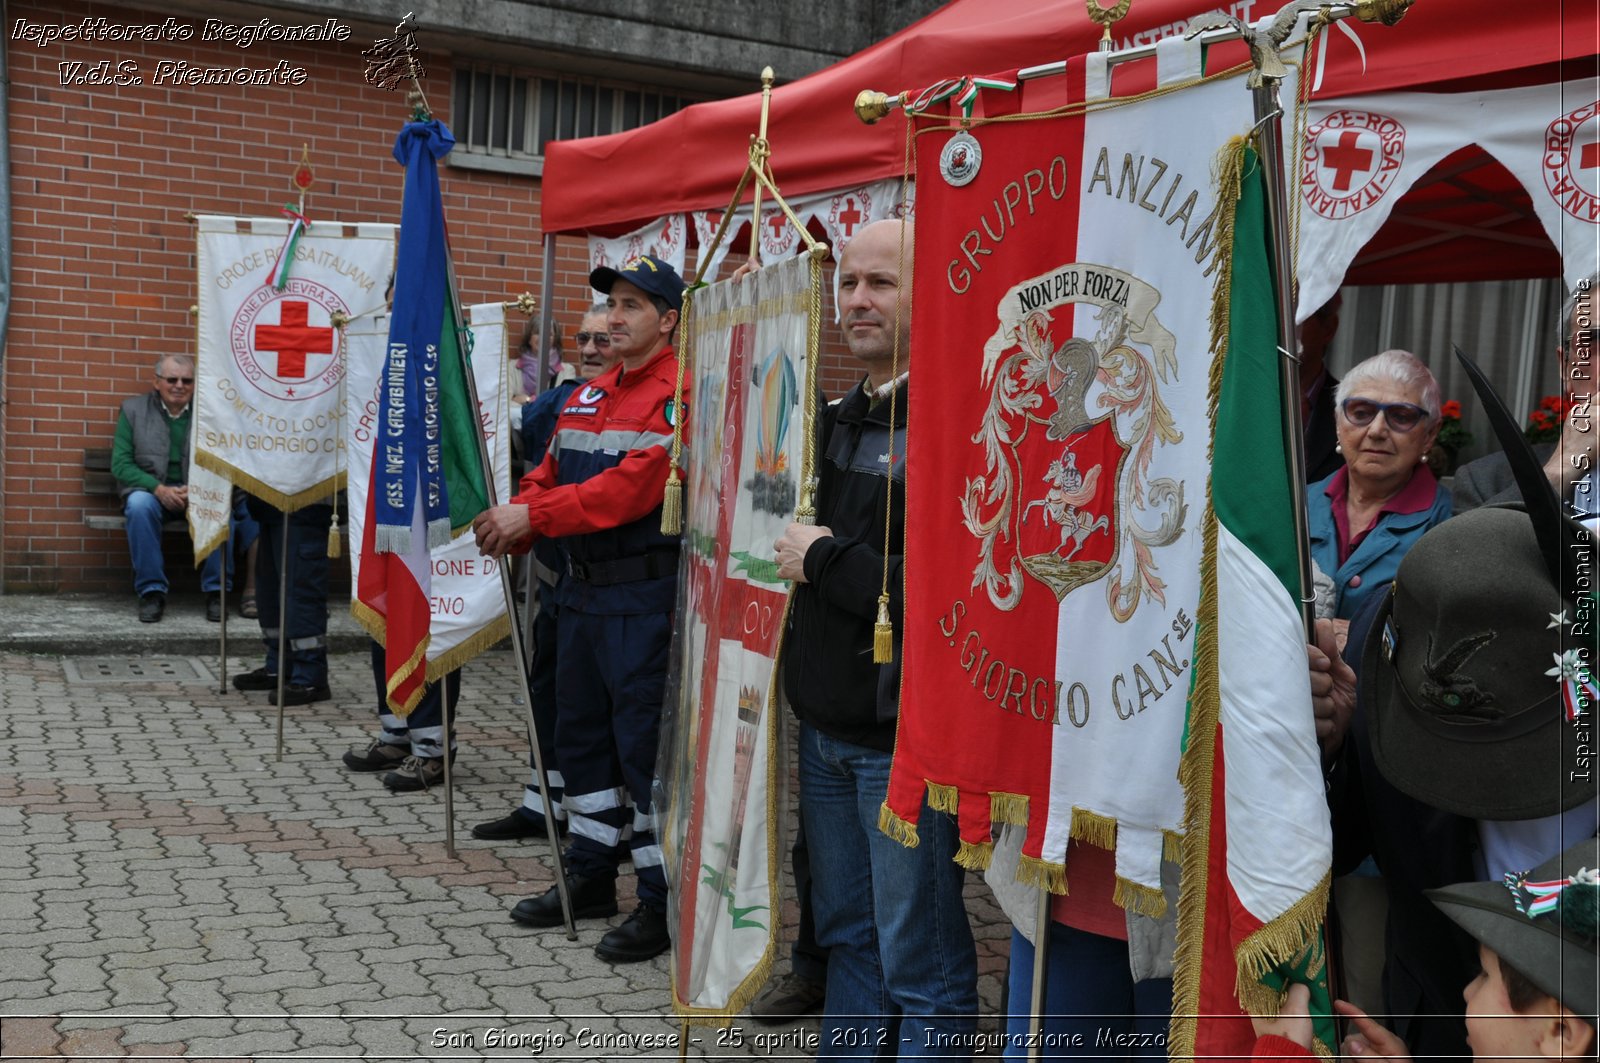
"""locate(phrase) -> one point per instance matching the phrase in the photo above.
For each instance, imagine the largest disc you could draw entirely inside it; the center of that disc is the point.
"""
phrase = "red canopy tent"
(692, 160)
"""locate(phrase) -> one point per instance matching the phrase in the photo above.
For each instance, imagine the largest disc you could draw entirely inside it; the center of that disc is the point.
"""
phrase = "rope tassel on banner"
(672, 495)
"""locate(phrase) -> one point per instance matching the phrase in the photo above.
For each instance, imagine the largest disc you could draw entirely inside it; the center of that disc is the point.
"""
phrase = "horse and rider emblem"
(1067, 496)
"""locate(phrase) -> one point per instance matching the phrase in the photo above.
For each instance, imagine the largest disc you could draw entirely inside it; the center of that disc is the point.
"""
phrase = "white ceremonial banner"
(717, 767)
(270, 367)
(1361, 154)
(468, 605)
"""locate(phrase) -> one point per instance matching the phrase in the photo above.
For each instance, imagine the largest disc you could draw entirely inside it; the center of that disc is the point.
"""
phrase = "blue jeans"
(902, 970)
(145, 517)
(1090, 998)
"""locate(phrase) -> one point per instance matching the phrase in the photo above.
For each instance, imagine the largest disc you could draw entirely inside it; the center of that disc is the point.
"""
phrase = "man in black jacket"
(902, 970)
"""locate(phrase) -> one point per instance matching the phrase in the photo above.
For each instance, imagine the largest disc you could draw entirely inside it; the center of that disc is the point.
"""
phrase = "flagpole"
(449, 788)
(391, 62)
(1041, 964)
(1269, 135)
(283, 619)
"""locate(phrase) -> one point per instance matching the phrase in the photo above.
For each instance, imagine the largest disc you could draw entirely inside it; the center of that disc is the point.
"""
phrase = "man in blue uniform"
(599, 490)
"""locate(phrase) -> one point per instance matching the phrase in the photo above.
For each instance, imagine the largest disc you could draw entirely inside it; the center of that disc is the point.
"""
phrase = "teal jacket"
(1372, 565)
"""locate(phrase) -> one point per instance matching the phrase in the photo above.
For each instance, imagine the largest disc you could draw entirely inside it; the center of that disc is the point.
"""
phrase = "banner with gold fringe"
(1058, 513)
(747, 352)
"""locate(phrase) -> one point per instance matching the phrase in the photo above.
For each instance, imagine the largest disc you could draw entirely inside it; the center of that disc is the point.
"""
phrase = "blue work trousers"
(608, 714)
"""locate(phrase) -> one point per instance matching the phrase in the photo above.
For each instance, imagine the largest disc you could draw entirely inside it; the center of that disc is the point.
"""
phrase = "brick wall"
(104, 270)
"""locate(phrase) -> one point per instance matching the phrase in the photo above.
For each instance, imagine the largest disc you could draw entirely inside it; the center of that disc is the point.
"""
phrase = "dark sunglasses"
(1399, 416)
(600, 339)
(186, 381)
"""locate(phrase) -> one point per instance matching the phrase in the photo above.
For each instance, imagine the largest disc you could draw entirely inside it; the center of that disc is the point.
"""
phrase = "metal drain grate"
(136, 669)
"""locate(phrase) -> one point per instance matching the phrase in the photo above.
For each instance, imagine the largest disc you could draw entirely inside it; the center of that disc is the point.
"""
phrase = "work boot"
(260, 679)
(379, 756)
(298, 694)
(214, 610)
(151, 606)
(517, 825)
(592, 898)
(644, 935)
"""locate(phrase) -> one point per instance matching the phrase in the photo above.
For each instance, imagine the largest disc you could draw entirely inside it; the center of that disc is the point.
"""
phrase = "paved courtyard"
(170, 888)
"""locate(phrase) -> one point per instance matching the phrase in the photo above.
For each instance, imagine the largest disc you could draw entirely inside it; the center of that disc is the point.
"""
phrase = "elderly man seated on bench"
(150, 460)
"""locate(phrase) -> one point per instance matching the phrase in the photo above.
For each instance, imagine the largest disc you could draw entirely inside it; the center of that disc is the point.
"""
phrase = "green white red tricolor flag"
(1058, 513)
(466, 607)
(427, 474)
(717, 766)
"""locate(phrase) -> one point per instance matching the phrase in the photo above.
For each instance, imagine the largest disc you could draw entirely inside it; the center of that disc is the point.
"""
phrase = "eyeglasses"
(599, 339)
(186, 381)
(1399, 416)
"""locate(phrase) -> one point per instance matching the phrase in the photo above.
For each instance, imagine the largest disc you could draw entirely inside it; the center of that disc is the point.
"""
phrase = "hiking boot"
(379, 756)
(214, 610)
(416, 773)
(792, 998)
(297, 694)
(592, 898)
(643, 936)
(151, 606)
(260, 679)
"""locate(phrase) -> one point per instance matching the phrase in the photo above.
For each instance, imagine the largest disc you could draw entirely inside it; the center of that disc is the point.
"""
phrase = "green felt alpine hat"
(1542, 923)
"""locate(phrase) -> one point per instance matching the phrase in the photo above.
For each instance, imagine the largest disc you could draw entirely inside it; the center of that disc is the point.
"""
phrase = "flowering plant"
(1544, 423)
(1453, 435)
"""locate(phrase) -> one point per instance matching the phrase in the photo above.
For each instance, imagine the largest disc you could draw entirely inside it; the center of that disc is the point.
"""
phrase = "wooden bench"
(99, 483)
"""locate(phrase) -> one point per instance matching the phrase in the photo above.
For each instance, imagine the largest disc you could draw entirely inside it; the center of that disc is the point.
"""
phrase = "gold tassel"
(883, 634)
(943, 798)
(334, 547)
(672, 505)
(1032, 871)
(1172, 847)
(1093, 829)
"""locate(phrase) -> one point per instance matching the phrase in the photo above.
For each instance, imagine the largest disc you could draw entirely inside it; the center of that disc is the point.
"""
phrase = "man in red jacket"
(598, 493)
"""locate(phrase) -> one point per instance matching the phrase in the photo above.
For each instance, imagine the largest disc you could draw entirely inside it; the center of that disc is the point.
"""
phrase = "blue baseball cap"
(648, 274)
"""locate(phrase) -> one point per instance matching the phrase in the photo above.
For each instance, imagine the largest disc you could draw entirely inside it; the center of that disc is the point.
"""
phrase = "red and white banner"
(267, 398)
(466, 603)
(1361, 154)
(717, 769)
(664, 238)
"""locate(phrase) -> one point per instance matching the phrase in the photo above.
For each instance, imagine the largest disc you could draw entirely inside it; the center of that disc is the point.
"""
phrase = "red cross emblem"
(850, 217)
(1345, 159)
(292, 339)
(1350, 161)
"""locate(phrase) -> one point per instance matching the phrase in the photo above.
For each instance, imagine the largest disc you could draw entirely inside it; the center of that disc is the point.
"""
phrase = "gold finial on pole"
(393, 60)
(523, 304)
(759, 152)
(871, 105)
(1387, 12)
(1105, 17)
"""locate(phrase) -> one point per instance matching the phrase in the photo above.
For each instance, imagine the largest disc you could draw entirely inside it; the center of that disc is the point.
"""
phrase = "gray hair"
(598, 308)
(183, 360)
(1585, 291)
(1401, 368)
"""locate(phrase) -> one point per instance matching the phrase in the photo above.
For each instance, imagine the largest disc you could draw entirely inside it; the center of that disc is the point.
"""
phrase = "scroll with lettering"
(1058, 491)
(717, 762)
(267, 380)
(466, 606)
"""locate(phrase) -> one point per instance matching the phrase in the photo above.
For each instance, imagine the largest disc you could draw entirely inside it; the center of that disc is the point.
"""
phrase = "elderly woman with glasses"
(1366, 516)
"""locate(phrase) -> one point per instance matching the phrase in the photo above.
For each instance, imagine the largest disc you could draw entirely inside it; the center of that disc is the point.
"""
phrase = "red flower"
(1550, 402)
(1451, 409)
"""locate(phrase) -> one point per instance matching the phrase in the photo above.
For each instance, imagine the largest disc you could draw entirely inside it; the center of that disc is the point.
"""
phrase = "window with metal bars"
(500, 112)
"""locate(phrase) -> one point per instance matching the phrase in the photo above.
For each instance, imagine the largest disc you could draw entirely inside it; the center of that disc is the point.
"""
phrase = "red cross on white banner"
(292, 339)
